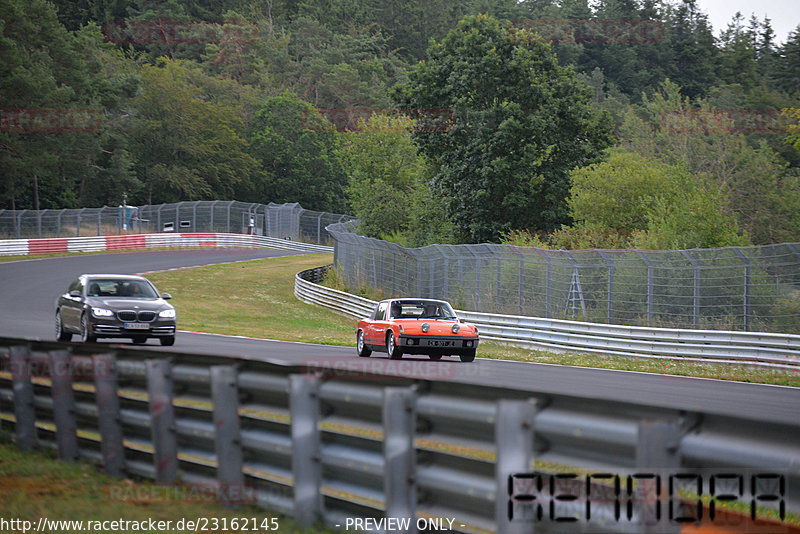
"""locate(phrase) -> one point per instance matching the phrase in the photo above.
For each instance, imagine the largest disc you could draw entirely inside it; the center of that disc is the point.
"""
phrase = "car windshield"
(121, 288)
(422, 309)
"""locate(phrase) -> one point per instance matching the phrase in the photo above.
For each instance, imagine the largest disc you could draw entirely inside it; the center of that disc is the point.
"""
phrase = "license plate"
(137, 326)
(440, 343)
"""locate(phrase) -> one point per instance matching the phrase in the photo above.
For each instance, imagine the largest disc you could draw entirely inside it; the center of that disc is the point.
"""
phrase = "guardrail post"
(63, 404)
(228, 435)
(106, 395)
(399, 426)
(24, 411)
(306, 467)
(162, 420)
(657, 449)
(514, 442)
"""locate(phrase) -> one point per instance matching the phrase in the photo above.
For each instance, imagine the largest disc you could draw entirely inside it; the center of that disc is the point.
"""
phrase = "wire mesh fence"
(733, 288)
(285, 221)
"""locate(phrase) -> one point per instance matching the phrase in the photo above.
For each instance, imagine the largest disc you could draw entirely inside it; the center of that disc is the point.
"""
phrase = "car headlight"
(425, 327)
(167, 314)
(102, 312)
(456, 328)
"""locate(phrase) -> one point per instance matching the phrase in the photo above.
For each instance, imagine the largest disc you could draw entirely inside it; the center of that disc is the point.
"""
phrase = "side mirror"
(461, 321)
(75, 293)
(166, 296)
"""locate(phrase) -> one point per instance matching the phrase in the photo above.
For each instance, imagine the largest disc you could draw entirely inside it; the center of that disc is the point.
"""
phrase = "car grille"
(130, 315)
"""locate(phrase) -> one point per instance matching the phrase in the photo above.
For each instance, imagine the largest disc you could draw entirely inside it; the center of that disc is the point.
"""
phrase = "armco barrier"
(335, 439)
(782, 350)
(145, 241)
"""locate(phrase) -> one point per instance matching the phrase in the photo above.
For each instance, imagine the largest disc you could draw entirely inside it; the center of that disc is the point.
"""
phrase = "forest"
(554, 123)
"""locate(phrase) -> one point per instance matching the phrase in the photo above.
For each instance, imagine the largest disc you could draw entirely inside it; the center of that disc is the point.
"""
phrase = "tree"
(389, 190)
(186, 145)
(298, 158)
(757, 188)
(650, 204)
(504, 124)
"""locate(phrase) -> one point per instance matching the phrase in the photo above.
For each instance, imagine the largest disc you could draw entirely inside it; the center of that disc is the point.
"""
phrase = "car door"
(71, 306)
(377, 326)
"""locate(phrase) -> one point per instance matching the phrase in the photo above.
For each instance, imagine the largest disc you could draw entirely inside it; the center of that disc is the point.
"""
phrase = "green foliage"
(297, 151)
(187, 145)
(388, 188)
(519, 123)
(660, 206)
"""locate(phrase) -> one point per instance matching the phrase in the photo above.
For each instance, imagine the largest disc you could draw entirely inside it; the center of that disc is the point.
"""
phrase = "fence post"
(611, 269)
(514, 442)
(306, 465)
(657, 448)
(39, 215)
(58, 223)
(63, 404)
(227, 430)
(649, 264)
(747, 284)
(24, 411)
(399, 426)
(499, 280)
(696, 295)
(548, 284)
(105, 384)
(162, 420)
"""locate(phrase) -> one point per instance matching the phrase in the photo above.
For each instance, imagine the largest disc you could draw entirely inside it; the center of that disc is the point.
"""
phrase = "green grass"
(37, 485)
(256, 298)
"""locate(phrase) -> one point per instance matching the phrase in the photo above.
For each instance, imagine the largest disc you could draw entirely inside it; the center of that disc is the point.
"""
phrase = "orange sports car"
(416, 326)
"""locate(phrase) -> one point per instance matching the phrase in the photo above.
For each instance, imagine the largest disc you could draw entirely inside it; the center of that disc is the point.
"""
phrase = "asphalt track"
(28, 290)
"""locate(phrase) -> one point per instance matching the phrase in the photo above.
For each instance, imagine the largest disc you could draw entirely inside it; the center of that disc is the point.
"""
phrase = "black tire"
(392, 349)
(86, 336)
(139, 340)
(467, 356)
(61, 335)
(361, 348)
(435, 356)
(167, 341)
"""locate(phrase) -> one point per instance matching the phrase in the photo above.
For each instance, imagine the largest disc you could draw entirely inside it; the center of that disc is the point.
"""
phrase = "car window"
(423, 309)
(121, 288)
(380, 315)
(74, 286)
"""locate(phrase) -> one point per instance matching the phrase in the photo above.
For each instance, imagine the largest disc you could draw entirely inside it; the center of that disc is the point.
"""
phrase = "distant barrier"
(145, 241)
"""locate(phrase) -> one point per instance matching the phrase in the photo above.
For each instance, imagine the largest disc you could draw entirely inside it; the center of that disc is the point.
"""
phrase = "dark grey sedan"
(115, 306)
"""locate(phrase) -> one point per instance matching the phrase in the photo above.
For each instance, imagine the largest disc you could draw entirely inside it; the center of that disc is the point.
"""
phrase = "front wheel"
(391, 347)
(361, 347)
(86, 333)
(167, 341)
(467, 356)
(61, 335)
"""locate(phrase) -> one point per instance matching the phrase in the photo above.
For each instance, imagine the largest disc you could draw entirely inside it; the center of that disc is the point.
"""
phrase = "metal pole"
(747, 285)
(162, 420)
(514, 440)
(39, 215)
(696, 306)
(58, 223)
(211, 224)
(24, 411)
(229, 215)
(108, 418)
(306, 464)
(649, 286)
(227, 431)
(399, 455)
(19, 224)
(63, 405)
(100, 221)
(610, 262)
(548, 284)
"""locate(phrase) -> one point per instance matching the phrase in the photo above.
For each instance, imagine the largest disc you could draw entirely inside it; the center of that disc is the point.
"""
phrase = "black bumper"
(437, 344)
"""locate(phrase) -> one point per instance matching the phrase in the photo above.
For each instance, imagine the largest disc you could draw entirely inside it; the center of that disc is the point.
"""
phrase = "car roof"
(118, 276)
(410, 299)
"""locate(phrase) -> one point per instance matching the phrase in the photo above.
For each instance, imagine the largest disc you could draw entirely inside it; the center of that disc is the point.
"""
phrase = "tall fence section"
(452, 443)
(284, 221)
(733, 288)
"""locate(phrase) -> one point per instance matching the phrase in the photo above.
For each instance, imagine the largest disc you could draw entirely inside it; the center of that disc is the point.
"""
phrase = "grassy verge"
(256, 298)
(38, 485)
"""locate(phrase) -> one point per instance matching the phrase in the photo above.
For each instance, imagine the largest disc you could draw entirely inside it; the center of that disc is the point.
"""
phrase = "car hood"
(128, 304)
(436, 327)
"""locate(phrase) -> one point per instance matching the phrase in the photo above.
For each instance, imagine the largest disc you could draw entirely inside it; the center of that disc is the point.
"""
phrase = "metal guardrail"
(323, 442)
(557, 335)
(145, 241)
